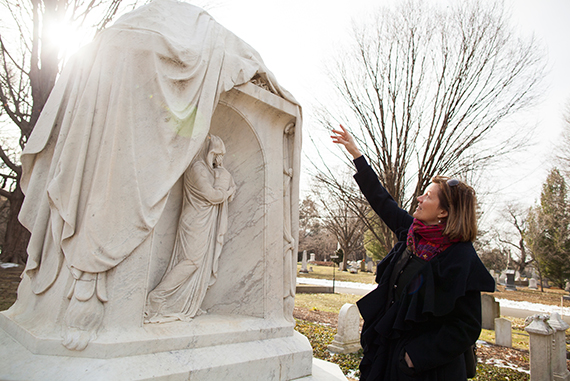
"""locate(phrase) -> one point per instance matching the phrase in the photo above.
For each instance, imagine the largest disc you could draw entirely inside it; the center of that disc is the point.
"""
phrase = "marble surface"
(263, 360)
(103, 180)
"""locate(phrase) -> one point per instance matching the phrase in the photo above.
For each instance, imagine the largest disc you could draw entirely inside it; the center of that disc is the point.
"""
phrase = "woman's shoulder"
(461, 261)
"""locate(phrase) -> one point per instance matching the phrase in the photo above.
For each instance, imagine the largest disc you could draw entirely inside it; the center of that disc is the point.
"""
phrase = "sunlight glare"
(67, 37)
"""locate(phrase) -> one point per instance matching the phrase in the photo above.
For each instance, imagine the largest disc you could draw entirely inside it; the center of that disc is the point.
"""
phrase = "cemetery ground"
(317, 315)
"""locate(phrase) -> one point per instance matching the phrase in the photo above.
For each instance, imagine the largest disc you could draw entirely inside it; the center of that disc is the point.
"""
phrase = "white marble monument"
(161, 186)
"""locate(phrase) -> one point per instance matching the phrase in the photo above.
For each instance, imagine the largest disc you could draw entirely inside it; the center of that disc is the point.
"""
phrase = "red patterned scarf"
(427, 241)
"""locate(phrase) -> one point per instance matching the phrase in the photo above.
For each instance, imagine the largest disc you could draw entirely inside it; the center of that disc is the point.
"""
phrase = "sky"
(295, 38)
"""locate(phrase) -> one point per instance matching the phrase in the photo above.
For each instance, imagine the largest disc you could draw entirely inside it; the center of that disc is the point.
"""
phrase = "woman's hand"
(408, 360)
(345, 138)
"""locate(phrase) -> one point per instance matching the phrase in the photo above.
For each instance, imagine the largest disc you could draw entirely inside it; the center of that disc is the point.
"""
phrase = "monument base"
(285, 358)
(344, 348)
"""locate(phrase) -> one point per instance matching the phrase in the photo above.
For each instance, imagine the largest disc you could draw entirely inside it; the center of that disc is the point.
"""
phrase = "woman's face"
(429, 210)
(218, 160)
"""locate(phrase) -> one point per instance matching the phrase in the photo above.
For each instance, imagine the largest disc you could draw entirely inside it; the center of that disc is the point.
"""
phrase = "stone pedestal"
(247, 332)
(540, 348)
(559, 370)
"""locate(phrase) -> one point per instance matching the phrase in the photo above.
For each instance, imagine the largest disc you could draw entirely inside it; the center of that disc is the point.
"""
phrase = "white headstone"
(304, 263)
(312, 257)
(347, 339)
(490, 310)
(503, 278)
(503, 332)
(533, 284)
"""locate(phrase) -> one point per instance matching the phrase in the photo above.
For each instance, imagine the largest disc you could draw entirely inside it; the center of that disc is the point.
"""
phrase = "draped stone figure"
(93, 195)
(208, 187)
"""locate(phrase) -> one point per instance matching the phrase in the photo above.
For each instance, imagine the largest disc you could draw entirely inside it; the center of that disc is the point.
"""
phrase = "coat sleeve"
(450, 337)
(396, 218)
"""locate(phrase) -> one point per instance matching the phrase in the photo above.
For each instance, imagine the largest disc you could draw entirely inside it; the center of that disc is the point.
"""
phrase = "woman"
(193, 267)
(424, 316)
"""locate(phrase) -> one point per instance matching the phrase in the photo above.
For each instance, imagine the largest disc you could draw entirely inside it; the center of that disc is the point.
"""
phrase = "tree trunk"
(17, 236)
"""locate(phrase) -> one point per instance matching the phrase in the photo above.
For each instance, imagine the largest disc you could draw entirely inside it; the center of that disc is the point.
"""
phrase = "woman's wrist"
(355, 152)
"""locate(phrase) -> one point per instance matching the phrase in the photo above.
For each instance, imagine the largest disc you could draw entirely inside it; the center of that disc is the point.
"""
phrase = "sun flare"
(67, 37)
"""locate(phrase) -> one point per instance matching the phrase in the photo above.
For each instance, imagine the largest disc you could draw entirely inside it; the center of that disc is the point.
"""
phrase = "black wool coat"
(435, 315)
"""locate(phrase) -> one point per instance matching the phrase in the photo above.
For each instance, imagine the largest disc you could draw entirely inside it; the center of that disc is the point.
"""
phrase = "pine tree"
(548, 233)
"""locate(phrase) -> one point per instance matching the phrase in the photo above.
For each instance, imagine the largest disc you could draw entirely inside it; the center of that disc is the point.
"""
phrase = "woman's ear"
(442, 214)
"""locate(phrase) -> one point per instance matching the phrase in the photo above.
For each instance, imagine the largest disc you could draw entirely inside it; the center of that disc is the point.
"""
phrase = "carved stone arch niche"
(242, 262)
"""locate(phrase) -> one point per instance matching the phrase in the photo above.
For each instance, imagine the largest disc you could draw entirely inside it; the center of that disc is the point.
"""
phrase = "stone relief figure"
(289, 262)
(208, 187)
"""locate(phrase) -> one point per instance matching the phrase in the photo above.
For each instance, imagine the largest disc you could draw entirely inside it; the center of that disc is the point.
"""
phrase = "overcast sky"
(295, 37)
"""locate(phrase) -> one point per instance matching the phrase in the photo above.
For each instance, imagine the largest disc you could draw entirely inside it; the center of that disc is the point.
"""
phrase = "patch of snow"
(502, 302)
(505, 364)
(533, 306)
(8, 265)
(338, 283)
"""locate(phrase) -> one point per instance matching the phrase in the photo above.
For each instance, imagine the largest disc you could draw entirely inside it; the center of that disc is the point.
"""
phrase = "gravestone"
(533, 284)
(304, 269)
(559, 369)
(312, 257)
(497, 280)
(503, 332)
(106, 173)
(510, 282)
(540, 347)
(347, 339)
(490, 310)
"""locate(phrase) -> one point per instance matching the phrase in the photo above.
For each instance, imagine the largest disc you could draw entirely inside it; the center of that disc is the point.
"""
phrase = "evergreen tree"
(548, 232)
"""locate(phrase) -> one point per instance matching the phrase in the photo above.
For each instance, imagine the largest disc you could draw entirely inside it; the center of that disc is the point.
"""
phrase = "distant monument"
(147, 249)
(304, 263)
(510, 282)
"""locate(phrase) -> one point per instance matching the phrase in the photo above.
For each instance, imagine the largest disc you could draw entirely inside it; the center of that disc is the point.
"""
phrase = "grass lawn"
(325, 302)
(326, 272)
(334, 302)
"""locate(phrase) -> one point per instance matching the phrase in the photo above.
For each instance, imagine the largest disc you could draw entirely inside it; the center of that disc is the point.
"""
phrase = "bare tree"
(31, 57)
(313, 236)
(516, 216)
(424, 90)
(340, 218)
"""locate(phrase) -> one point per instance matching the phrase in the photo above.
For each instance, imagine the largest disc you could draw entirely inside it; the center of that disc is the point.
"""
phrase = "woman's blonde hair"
(459, 200)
